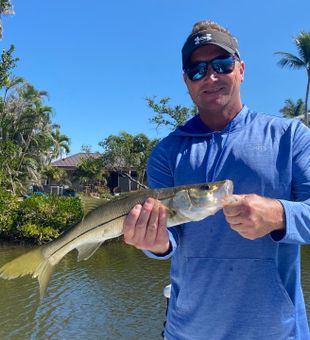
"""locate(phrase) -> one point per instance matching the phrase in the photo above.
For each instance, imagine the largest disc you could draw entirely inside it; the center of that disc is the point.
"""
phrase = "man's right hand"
(145, 227)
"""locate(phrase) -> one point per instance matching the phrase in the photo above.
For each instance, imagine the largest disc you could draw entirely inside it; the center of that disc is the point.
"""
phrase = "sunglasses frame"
(204, 65)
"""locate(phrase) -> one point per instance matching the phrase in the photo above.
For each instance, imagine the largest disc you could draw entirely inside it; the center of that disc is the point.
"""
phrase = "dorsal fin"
(90, 203)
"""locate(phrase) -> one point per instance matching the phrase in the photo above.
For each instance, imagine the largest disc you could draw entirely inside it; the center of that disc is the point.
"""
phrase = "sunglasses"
(220, 65)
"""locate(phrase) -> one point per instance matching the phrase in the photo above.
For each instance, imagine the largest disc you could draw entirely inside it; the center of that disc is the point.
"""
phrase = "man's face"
(215, 92)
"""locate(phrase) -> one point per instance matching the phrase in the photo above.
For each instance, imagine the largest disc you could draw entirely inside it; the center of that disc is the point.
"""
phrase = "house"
(116, 181)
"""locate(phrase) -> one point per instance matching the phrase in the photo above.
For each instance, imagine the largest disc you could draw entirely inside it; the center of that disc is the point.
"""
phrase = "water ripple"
(116, 294)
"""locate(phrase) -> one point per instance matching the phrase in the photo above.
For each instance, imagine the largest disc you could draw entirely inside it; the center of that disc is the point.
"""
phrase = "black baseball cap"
(208, 37)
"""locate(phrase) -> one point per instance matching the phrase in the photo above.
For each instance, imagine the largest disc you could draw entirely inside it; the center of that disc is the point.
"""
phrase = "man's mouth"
(212, 91)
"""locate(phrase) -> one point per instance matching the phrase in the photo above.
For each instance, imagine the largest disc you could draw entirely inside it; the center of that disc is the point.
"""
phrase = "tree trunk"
(129, 180)
(306, 100)
(141, 185)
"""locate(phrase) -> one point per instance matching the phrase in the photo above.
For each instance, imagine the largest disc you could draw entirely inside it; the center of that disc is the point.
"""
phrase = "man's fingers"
(145, 227)
(232, 205)
(142, 222)
(152, 227)
(231, 211)
(236, 220)
(229, 199)
(162, 234)
(130, 223)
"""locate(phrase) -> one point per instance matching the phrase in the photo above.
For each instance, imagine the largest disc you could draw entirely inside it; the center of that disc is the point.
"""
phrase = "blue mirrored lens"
(220, 65)
(223, 66)
(198, 71)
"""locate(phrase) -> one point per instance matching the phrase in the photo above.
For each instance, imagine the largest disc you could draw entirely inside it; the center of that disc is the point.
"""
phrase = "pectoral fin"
(87, 250)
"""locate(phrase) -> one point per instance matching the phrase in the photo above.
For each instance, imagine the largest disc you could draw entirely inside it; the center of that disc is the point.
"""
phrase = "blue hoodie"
(223, 285)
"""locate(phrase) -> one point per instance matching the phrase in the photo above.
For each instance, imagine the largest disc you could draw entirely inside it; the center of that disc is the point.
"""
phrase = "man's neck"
(217, 121)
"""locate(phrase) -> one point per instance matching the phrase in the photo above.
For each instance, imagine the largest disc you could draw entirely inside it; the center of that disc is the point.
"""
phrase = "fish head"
(206, 194)
(201, 200)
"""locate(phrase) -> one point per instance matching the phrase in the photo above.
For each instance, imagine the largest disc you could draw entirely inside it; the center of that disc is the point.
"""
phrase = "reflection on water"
(116, 294)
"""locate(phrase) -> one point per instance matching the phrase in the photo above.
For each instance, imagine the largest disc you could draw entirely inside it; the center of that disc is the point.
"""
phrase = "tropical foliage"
(125, 153)
(301, 61)
(6, 8)
(28, 138)
(56, 174)
(37, 218)
(60, 143)
(91, 173)
(8, 212)
(167, 115)
(292, 109)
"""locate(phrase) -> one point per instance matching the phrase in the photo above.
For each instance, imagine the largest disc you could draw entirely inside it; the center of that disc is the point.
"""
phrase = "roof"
(72, 162)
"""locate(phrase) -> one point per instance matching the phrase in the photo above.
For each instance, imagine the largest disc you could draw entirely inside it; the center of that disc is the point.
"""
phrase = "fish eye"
(205, 187)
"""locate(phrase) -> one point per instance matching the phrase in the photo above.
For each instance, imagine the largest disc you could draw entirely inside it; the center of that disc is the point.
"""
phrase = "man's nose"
(211, 75)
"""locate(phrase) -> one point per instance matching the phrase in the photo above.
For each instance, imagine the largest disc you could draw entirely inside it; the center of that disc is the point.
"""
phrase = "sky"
(99, 60)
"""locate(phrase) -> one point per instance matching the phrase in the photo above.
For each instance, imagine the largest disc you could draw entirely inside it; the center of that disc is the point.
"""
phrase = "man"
(234, 275)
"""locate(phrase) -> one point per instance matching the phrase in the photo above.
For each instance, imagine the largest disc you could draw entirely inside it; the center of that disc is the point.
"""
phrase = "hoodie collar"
(196, 128)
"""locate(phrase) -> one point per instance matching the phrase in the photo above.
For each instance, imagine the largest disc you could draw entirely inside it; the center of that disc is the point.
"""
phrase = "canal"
(116, 294)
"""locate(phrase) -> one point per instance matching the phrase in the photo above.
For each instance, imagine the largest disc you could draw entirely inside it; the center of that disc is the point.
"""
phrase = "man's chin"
(215, 104)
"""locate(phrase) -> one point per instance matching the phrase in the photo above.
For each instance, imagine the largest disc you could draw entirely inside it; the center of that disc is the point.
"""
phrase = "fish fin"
(90, 203)
(44, 273)
(32, 263)
(87, 250)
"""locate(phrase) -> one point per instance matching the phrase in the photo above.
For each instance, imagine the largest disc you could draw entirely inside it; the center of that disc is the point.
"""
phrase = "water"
(116, 294)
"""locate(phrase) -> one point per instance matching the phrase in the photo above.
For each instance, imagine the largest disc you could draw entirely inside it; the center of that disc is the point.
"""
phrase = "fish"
(103, 220)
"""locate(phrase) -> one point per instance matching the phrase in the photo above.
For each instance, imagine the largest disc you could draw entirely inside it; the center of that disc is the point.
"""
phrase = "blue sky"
(98, 60)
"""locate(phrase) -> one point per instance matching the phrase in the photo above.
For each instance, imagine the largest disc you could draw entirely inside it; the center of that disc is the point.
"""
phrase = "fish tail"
(32, 263)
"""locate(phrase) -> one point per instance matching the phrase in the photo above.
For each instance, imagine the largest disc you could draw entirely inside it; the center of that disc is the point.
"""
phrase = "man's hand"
(254, 216)
(145, 227)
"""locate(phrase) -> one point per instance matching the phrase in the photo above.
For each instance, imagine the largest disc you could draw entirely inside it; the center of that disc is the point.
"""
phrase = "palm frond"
(302, 42)
(290, 60)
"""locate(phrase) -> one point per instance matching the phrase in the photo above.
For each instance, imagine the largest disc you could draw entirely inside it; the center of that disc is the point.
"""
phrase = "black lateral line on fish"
(101, 224)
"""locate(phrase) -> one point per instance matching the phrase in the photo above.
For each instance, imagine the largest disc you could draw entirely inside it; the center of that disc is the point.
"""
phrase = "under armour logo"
(206, 37)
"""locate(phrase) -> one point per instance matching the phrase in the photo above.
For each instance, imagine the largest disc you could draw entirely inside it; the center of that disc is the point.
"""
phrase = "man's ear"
(185, 78)
(241, 70)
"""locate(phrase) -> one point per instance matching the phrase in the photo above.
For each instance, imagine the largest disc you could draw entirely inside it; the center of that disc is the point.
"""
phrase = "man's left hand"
(254, 216)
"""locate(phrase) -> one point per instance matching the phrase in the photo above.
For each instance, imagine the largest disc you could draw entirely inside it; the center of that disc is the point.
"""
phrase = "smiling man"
(234, 275)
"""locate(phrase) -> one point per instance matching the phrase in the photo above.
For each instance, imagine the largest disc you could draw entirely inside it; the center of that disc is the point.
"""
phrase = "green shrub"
(49, 216)
(37, 218)
(37, 233)
(8, 212)
(105, 193)
(54, 211)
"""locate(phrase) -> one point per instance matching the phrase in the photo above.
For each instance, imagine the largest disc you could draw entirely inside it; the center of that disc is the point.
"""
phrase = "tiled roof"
(73, 161)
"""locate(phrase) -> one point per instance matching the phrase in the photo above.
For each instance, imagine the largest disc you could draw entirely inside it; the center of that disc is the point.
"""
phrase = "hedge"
(37, 218)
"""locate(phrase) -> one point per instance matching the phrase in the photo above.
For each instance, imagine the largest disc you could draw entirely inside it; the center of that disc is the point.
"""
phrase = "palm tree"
(61, 143)
(292, 109)
(6, 9)
(302, 42)
(27, 125)
(28, 139)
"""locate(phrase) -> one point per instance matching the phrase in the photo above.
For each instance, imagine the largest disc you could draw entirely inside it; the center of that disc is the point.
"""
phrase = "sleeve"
(169, 253)
(297, 210)
(160, 175)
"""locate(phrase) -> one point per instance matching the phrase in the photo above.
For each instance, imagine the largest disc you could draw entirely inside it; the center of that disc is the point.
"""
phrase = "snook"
(105, 221)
